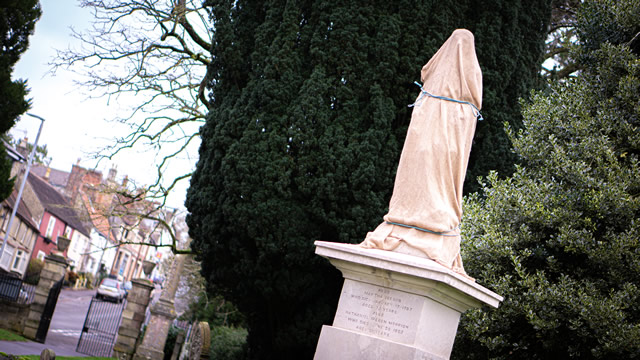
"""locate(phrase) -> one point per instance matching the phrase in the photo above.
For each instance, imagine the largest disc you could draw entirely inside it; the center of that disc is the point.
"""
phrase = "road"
(68, 317)
(64, 329)
(67, 323)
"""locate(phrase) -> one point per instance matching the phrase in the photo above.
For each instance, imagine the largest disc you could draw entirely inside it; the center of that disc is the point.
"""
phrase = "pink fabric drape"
(428, 187)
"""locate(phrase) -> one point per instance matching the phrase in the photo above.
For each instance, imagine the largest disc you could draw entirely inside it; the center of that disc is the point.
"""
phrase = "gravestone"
(200, 341)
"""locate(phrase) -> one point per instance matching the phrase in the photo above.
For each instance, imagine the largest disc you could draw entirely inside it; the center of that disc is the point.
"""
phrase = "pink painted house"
(58, 219)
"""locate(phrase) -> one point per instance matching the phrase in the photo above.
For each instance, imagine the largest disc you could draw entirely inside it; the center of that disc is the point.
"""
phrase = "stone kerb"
(132, 318)
(54, 269)
(395, 306)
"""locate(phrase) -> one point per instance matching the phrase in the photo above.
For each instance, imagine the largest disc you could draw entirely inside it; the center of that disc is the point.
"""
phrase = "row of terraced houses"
(103, 223)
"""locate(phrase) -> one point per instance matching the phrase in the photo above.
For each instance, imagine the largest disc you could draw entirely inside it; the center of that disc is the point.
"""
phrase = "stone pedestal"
(162, 315)
(177, 346)
(132, 318)
(395, 306)
(54, 269)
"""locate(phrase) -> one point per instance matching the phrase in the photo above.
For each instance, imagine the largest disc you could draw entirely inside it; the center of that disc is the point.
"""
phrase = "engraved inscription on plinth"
(379, 311)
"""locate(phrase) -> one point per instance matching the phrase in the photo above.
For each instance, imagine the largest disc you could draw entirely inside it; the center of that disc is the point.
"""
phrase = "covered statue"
(426, 205)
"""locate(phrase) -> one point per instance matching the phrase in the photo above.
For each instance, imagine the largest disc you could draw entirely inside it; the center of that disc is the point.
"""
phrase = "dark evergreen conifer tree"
(17, 22)
(309, 115)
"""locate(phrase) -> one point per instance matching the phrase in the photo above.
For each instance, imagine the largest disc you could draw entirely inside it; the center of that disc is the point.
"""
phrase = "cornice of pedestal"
(407, 273)
(164, 307)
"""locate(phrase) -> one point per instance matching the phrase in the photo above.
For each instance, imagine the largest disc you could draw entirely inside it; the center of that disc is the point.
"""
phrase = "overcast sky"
(74, 126)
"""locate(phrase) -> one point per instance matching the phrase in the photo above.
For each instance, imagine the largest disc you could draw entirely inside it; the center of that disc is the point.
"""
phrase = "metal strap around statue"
(443, 233)
(425, 92)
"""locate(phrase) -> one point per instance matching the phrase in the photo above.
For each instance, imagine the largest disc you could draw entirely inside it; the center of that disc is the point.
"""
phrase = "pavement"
(64, 330)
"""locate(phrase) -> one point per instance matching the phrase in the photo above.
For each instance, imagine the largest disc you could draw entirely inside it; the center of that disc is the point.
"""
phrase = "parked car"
(110, 289)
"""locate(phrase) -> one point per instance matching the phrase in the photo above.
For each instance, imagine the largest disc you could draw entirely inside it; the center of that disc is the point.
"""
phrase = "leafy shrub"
(228, 343)
(89, 283)
(72, 277)
(215, 310)
(32, 275)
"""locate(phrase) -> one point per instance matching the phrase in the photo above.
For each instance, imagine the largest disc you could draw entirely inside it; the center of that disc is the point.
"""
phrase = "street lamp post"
(24, 180)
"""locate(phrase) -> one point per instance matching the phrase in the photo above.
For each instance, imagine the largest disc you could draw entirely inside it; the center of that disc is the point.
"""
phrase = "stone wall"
(13, 315)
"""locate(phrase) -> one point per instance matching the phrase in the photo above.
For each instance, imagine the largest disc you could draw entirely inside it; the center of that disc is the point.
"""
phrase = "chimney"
(74, 182)
(125, 180)
(112, 174)
(23, 147)
(47, 174)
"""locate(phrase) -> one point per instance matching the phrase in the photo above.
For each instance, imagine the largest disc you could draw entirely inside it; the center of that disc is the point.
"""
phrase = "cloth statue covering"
(426, 205)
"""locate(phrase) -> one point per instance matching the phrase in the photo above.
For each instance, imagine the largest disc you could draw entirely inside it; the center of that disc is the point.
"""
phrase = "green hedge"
(228, 343)
(34, 268)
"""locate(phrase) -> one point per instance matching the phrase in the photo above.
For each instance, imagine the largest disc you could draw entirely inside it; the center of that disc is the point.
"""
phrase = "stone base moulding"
(395, 306)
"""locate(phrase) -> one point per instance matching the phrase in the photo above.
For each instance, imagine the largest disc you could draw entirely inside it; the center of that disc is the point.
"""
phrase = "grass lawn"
(7, 335)
(37, 357)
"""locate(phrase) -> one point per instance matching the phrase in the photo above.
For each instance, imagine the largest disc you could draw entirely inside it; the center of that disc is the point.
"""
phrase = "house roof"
(23, 211)
(56, 203)
(99, 222)
(12, 152)
(57, 178)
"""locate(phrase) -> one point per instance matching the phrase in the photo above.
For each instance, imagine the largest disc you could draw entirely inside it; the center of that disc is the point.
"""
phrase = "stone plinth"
(162, 315)
(132, 319)
(54, 269)
(395, 306)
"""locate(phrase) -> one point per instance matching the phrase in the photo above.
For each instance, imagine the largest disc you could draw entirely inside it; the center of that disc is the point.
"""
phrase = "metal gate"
(100, 328)
(47, 314)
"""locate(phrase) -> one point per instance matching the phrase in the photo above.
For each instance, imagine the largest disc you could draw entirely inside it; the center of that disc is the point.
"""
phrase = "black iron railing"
(12, 288)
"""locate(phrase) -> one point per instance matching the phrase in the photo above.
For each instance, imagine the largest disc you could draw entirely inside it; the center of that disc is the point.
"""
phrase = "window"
(50, 226)
(118, 261)
(26, 236)
(14, 229)
(26, 239)
(5, 218)
(7, 256)
(21, 231)
(17, 262)
(32, 239)
(78, 243)
(67, 232)
(41, 255)
(123, 266)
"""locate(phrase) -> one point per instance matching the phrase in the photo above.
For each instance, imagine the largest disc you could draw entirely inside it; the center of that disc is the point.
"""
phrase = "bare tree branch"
(151, 57)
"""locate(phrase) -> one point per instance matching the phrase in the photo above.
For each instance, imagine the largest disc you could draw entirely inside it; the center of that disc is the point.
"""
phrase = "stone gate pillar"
(132, 319)
(54, 269)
